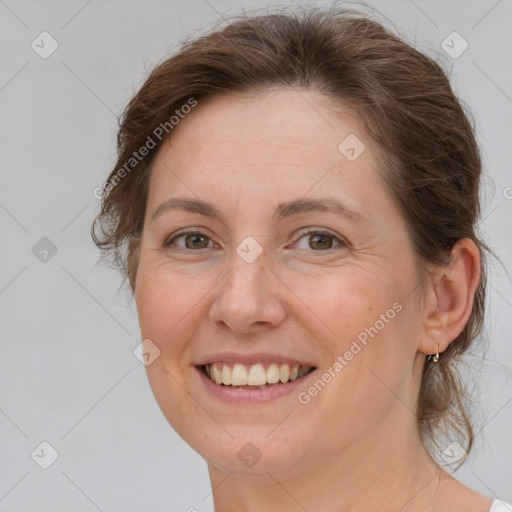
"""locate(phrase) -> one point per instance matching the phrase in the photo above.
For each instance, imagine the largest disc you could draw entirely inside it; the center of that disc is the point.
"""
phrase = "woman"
(294, 206)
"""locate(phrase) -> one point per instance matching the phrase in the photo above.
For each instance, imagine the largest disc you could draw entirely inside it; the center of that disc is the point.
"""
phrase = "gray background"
(68, 375)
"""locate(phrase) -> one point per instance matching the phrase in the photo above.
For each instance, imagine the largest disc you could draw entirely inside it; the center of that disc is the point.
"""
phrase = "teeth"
(254, 375)
(273, 373)
(226, 375)
(216, 375)
(302, 371)
(239, 375)
(284, 373)
(257, 375)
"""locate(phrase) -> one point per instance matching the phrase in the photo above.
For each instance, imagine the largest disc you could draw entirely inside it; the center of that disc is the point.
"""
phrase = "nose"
(249, 298)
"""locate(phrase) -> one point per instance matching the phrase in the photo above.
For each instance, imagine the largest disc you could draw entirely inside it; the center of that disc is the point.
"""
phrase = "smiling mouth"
(256, 376)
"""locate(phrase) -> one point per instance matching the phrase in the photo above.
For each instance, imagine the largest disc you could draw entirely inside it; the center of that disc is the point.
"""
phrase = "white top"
(500, 506)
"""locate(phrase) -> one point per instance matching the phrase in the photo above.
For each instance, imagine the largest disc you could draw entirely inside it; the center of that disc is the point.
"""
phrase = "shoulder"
(500, 506)
(454, 496)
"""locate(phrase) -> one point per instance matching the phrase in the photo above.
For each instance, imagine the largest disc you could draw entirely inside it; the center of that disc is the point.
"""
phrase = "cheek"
(363, 321)
(362, 373)
(348, 302)
(166, 311)
(165, 307)
(167, 297)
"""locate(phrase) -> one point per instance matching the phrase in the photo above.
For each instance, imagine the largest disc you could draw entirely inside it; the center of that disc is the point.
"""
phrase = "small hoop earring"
(434, 358)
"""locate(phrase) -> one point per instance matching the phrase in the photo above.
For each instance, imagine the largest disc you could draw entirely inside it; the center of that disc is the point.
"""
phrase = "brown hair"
(432, 162)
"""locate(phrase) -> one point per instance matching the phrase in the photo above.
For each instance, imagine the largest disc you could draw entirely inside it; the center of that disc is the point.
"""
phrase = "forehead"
(273, 136)
(275, 118)
(250, 156)
(249, 153)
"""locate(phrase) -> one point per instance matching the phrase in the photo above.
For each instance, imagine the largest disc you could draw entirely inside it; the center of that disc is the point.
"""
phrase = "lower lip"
(251, 396)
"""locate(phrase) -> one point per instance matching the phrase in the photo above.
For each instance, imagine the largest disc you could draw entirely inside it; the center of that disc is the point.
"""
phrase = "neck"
(393, 469)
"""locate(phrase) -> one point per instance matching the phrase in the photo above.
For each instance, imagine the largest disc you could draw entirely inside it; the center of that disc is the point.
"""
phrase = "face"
(300, 273)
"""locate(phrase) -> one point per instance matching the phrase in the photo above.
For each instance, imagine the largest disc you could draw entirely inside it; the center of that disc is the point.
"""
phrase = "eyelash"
(341, 242)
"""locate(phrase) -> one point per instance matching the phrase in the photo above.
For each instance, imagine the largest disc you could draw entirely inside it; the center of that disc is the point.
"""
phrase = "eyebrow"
(282, 211)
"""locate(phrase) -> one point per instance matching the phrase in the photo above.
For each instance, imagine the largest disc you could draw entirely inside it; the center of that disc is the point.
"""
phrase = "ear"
(449, 297)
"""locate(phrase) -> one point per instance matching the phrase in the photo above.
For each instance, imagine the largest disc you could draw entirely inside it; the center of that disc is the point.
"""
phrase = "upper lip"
(250, 359)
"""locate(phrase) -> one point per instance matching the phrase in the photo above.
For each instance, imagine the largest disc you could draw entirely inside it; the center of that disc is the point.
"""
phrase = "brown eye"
(320, 240)
(193, 240)
(196, 241)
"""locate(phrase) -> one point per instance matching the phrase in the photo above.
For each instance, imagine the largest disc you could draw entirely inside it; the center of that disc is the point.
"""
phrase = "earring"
(434, 358)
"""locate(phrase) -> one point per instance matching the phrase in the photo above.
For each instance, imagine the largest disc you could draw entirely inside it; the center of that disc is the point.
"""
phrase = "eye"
(319, 240)
(322, 240)
(192, 240)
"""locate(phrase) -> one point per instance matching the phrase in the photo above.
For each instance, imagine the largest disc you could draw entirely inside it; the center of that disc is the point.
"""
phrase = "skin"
(355, 445)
